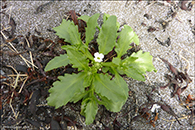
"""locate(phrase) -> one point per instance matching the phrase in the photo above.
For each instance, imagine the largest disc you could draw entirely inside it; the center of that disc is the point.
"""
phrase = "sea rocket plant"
(92, 84)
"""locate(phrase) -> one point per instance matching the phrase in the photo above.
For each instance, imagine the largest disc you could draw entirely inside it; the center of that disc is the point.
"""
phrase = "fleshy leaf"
(116, 60)
(110, 105)
(91, 28)
(135, 39)
(143, 63)
(108, 88)
(128, 61)
(106, 16)
(64, 90)
(105, 69)
(126, 68)
(113, 105)
(68, 31)
(88, 78)
(133, 73)
(122, 85)
(85, 50)
(62, 30)
(78, 59)
(56, 62)
(78, 96)
(126, 37)
(90, 111)
(84, 104)
(107, 35)
(84, 18)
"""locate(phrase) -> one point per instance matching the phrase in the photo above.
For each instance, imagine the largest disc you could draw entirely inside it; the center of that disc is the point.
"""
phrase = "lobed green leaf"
(110, 105)
(115, 106)
(62, 30)
(125, 38)
(90, 111)
(116, 60)
(107, 35)
(64, 90)
(121, 85)
(68, 31)
(128, 61)
(84, 49)
(126, 68)
(88, 79)
(78, 59)
(56, 62)
(143, 62)
(84, 18)
(78, 96)
(108, 88)
(84, 104)
(106, 16)
(105, 69)
(91, 28)
(135, 39)
(133, 73)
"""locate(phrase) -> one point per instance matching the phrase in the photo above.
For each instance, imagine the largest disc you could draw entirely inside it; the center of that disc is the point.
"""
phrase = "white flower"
(155, 106)
(98, 57)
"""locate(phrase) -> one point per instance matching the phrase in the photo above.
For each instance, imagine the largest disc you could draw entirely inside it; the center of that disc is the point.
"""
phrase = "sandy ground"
(179, 30)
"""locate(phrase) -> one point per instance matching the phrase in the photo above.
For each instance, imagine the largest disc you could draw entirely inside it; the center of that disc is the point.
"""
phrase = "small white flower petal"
(98, 57)
(97, 60)
(101, 55)
(96, 54)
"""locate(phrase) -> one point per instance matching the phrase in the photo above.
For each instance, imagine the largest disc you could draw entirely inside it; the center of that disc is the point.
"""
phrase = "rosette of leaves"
(90, 85)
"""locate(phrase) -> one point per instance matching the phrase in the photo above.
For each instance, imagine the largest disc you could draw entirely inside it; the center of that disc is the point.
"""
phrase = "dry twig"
(29, 52)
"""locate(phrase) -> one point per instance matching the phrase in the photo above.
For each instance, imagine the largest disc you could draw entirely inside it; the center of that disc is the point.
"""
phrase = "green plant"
(93, 84)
